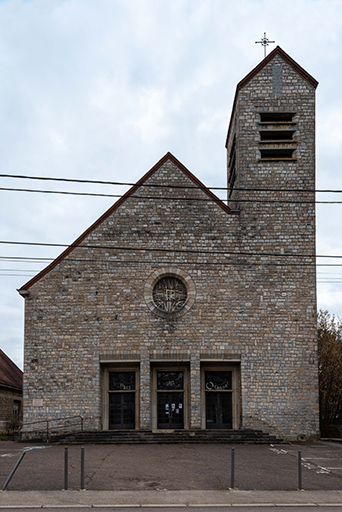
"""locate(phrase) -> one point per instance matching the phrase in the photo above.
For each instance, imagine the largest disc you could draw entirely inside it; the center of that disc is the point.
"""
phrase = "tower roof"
(277, 51)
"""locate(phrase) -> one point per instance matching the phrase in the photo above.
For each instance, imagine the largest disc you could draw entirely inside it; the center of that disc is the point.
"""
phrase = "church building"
(177, 310)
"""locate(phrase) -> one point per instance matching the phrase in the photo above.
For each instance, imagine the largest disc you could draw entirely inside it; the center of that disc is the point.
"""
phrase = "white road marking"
(279, 451)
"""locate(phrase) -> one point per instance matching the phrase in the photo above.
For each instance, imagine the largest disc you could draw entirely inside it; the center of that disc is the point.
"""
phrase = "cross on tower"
(265, 42)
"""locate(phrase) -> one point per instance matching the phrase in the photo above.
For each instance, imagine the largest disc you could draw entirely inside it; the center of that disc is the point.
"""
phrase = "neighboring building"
(177, 310)
(11, 391)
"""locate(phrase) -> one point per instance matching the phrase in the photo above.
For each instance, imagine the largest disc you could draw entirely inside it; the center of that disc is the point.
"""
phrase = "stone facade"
(11, 392)
(248, 322)
(10, 406)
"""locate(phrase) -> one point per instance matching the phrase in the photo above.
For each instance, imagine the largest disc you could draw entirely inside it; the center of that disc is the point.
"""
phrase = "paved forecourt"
(173, 467)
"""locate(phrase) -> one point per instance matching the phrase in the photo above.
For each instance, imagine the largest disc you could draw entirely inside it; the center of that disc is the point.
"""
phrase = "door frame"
(230, 367)
(177, 367)
(105, 370)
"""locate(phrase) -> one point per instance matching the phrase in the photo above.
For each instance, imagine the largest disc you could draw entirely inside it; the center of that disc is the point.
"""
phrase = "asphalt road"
(174, 467)
(171, 467)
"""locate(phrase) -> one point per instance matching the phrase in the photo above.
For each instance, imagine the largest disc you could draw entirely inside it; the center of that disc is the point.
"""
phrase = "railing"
(45, 429)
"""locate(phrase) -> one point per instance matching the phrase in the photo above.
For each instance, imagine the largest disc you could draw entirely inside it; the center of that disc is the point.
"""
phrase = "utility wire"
(159, 249)
(178, 263)
(195, 199)
(32, 259)
(333, 279)
(101, 182)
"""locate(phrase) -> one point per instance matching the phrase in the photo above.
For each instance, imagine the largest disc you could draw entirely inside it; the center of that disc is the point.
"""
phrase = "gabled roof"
(277, 51)
(10, 374)
(118, 203)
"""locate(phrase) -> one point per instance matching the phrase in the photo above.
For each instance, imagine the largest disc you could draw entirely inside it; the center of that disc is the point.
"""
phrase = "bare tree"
(329, 330)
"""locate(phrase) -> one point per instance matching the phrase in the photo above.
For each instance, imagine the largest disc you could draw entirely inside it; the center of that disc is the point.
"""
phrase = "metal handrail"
(48, 424)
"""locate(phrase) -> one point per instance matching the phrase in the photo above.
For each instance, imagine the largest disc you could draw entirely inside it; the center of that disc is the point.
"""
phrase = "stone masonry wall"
(278, 319)
(247, 305)
(83, 309)
(7, 399)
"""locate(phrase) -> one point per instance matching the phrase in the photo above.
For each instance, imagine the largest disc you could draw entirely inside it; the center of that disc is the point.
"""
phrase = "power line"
(110, 260)
(33, 259)
(18, 270)
(163, 198)
(16, 275)
(226, 252)
(26, 258)
(122, 183)
(320, 279)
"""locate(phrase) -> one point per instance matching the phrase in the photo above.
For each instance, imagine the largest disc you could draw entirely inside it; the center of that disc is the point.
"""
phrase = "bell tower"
(271, 179)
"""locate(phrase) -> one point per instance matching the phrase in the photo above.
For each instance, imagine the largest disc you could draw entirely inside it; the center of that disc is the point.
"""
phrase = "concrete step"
(181, 436)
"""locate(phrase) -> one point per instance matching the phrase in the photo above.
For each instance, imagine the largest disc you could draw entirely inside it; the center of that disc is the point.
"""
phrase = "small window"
(278, 154)
(276, 117)
(16, 408)
(277, 130)
(169, 294)
(169, 380)
(218, 381)
(121, 381)
(276, 135)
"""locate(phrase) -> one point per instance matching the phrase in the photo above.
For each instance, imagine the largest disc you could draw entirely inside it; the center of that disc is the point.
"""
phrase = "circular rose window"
(169, 294)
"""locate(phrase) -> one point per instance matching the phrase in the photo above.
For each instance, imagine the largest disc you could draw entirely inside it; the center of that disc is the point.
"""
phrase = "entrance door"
(122, 398)
(170, 410)
(170, 399)
(219, 399)
(219, 410)
(121, 411)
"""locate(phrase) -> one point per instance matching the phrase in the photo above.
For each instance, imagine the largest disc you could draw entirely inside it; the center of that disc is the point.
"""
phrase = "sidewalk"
(75, 499)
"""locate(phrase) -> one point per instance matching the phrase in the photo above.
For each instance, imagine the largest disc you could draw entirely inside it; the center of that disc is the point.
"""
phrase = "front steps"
(166, 437)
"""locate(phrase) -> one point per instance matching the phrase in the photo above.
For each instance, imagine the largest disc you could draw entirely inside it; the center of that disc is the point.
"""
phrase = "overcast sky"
(102, 89)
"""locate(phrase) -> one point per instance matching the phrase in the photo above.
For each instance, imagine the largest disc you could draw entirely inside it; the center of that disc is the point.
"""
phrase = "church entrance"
(170, 400)
(121, 411)
(170, 410)
(219, 410)
(218, 399)
(120, 398)
(170, 391)
(221, 397)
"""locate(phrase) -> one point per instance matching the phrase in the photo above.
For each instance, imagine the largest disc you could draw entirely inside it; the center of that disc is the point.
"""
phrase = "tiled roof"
(10, 374)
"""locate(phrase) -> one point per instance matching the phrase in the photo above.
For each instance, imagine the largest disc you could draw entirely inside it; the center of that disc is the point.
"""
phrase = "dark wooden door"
(170, 412)
(121, 411)
(219, 410)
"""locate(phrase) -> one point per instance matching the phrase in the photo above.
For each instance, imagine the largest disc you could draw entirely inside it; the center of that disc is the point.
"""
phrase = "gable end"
(23, 290)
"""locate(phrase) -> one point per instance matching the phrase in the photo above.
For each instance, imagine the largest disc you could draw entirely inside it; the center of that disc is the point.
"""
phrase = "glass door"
(218, 398)
(170, 400)
(121, 400)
